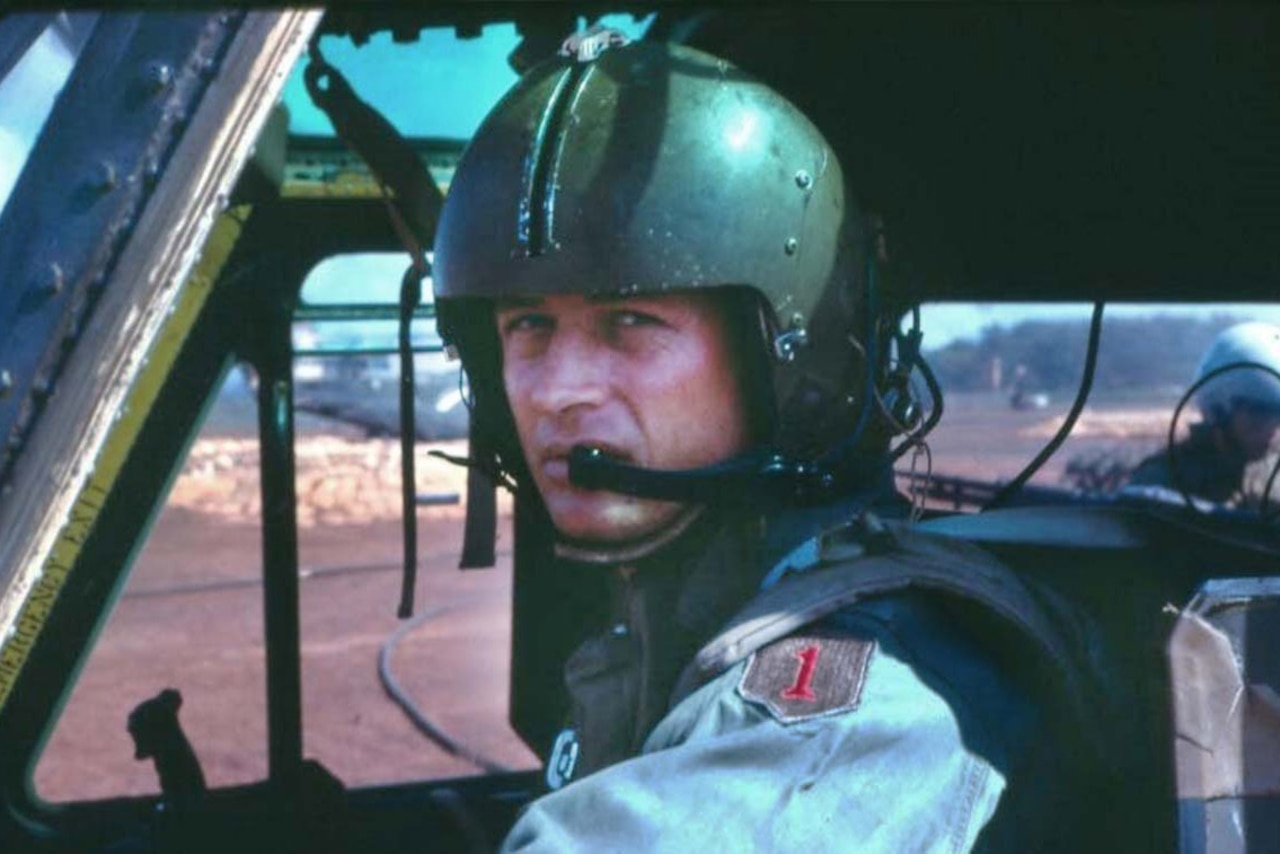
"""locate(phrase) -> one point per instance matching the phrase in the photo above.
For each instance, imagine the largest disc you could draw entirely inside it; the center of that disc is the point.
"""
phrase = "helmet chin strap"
(752, 478)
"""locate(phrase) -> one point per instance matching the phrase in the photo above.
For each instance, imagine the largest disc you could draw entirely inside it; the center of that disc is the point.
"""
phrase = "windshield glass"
(28, 91)
(440, 85)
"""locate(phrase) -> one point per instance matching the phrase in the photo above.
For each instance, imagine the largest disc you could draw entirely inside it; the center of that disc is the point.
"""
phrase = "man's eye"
(525, 323)
(635, 318)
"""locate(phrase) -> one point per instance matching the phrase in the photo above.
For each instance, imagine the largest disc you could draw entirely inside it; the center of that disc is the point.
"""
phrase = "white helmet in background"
(1252, 343)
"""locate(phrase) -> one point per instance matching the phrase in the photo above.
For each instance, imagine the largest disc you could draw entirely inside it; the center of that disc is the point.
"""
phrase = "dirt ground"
(190, 616)
(982, 436)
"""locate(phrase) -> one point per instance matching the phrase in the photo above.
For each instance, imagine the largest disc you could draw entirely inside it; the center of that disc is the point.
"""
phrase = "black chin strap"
(750, 478)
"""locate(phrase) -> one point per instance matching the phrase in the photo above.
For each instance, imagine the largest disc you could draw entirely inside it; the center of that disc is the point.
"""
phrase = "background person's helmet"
(649, 168)
(1253, 343)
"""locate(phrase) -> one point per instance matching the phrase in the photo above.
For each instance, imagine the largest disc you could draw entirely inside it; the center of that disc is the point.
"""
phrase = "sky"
(440, 65)
(427, 109)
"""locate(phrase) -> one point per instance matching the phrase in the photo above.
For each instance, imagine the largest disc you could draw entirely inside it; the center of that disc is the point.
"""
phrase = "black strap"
(410, 294)
(481, 531)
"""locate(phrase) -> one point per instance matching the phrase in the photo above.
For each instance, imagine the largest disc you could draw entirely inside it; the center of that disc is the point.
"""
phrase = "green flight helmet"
(652, 167)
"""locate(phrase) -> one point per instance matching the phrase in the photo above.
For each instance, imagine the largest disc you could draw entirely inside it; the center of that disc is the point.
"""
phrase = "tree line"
(1048, 355)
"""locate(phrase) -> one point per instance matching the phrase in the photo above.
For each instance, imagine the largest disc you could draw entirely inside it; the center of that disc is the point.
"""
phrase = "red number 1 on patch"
(801, 689)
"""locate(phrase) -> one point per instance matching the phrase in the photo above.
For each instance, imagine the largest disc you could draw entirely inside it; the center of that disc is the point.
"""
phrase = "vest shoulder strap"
(868, 558)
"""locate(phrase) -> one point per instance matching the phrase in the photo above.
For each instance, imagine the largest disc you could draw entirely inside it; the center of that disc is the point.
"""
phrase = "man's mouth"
(555, 459)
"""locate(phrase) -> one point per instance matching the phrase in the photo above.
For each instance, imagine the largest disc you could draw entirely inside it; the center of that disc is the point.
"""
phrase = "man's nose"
(574, 372)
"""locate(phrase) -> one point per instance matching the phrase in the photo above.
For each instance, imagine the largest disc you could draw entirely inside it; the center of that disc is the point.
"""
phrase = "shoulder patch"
(808, 675)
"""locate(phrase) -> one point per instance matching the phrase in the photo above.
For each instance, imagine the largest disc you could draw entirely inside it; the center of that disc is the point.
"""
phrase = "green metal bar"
(280, 555)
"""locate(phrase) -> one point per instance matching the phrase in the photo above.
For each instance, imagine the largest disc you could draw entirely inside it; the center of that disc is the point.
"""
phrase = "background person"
(1240, 413)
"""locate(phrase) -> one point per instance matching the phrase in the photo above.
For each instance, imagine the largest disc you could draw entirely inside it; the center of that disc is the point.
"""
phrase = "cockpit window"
(369, 278)
(1010, 374)
(444, 673)
(440, 85)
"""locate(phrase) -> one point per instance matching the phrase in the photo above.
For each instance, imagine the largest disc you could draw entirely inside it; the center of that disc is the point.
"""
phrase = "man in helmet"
(1237, 390)
(665, 304)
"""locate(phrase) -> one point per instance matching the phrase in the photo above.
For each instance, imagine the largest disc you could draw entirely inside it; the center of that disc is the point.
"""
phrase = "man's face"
(1253, 429)
(648, 380)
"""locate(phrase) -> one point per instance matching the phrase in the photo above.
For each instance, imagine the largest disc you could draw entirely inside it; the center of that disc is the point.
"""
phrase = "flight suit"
(840, 709)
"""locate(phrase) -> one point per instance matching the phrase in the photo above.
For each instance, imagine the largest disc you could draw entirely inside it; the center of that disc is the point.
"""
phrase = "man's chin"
(609, 521)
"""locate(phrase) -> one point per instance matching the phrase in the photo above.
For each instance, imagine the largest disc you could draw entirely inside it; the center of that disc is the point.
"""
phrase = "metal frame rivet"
(56, 281)
(107, 178)
(161, 75)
